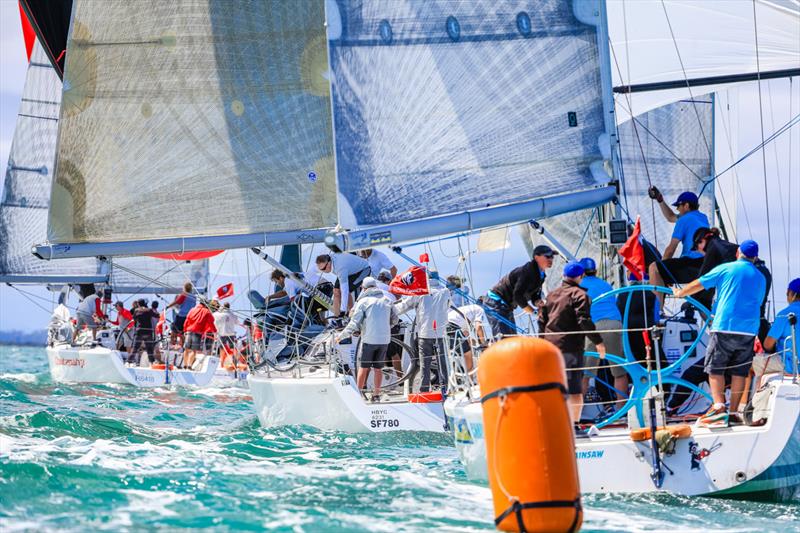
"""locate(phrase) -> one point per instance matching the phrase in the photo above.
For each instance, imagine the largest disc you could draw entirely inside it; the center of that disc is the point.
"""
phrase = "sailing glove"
(655, 194)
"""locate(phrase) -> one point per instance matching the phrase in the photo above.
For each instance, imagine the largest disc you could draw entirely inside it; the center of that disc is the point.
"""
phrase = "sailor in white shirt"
(378, 261)
(465, 323)
(350, 271)
(431, 325)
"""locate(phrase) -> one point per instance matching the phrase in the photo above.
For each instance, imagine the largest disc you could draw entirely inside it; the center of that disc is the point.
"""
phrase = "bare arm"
(669, 252)
(769, 344)
(667, 211)
(692, 288)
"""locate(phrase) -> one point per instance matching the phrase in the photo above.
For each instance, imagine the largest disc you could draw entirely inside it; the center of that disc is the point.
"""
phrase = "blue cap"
(686, 196)
(794, 285)
(588, 263)
(749, 248)
(573, 270)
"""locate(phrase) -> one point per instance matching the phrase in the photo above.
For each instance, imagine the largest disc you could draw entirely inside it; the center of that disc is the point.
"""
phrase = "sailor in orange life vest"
(563, 319)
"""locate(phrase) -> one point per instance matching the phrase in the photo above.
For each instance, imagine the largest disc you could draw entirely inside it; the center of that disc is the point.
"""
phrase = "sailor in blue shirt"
(688, 220)
(740, 288)
(779, 338)
(606, 317)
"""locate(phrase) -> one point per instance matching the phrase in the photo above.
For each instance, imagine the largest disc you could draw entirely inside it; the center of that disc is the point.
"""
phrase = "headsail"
(26, 193)
(671, 148)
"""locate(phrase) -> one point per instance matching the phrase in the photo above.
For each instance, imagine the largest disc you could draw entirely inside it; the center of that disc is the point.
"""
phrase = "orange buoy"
(530, 448)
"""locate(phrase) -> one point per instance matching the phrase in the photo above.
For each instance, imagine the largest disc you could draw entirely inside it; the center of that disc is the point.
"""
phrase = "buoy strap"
(505, 391)
(517, 507)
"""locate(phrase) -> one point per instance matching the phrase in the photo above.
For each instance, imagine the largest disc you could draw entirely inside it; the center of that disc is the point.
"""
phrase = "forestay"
(26, 193)
(447, 106)
(193, 118)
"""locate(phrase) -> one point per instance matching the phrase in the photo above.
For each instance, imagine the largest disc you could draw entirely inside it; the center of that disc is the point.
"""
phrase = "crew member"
(378, 261)
(608, 320)
(199, 329)
(431, 326)
(350, 271)
(90, 313)
(740, 288)
(778, 343)
(522, 287)
(372, 315)
(462, 321)
(671, 270)
(225, 322)
(565, 320)
(184, 302)
(143, 335)
(125, 322)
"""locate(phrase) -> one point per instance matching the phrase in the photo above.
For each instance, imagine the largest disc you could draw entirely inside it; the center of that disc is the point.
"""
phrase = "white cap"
(369, 281)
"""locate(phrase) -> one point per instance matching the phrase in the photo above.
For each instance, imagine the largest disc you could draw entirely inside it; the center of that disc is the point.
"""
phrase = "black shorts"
(144, 339)
(228, 341)
(372, 355)
(177, 324)
(574, 377)
(353, 280)
(679, 269)
(729, 353)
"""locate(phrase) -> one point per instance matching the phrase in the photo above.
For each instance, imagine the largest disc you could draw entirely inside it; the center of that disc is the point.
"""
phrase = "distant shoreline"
(23, 338)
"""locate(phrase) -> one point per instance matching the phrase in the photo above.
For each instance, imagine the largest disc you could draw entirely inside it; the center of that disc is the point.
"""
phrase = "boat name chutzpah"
(60, 361)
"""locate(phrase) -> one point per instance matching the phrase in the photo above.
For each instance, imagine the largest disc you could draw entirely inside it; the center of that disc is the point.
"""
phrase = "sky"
(743, 189)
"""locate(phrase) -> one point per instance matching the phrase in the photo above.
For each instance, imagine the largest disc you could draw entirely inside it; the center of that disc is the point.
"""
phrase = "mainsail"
(26, 197)
(196, 125)
(26, 193)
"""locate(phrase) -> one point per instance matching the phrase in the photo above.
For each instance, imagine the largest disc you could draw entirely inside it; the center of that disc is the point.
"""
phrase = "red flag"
(424, 258)
(28, 34)
(225, 291)
(632, 253)
(412, 282)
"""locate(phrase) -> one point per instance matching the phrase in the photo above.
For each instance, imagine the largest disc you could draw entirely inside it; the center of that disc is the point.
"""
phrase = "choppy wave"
(77, 458)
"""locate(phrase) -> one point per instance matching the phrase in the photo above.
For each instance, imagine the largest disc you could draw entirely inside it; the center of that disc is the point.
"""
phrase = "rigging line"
(29, 297)
(638, 139)
(219, 267)
(585, 232)
(788, 126)
(777, 165)
(154, 281)
(720, 194)
(763, 152)
(685, 77)
(788, 250)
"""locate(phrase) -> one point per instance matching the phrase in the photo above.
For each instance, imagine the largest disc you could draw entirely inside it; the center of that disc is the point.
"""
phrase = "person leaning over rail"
(373, 315)
(671, 270)
(565, 320)
(607, 318)
(735, 320)
(522, 287)
(460, 322)
(778, 344)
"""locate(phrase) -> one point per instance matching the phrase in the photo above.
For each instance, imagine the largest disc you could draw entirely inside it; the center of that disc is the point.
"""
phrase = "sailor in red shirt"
(125, 322)
(199, 329)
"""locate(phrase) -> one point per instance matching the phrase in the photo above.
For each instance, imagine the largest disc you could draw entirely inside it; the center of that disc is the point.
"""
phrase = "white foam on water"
(24, 377)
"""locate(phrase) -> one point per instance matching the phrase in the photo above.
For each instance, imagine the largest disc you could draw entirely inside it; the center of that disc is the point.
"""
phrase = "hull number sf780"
(385, 423)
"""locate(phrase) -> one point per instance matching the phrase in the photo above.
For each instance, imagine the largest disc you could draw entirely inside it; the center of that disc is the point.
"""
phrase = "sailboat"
(23, 219)
(358, 124)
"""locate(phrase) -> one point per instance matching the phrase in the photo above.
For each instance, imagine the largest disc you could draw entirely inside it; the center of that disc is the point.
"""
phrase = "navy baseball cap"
(749, 248)
(794, 285)
(588, 263)
(685, 196)
(573, 270)
(544, 250)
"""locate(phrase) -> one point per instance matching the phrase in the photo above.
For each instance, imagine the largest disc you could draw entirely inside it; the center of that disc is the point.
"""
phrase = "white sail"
(135, 275)
(659, 44)
(193, 118)
(26, 193)
(218, 127)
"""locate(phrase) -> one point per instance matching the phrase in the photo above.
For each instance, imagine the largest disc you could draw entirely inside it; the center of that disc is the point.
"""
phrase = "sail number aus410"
(384, 423)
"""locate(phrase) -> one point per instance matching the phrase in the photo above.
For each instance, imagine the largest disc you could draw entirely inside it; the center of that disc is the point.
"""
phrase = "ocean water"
(82, 458)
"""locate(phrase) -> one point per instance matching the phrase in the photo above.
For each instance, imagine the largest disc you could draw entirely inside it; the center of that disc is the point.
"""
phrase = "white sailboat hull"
(740, 461)
(74, 364)
(333, 403)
